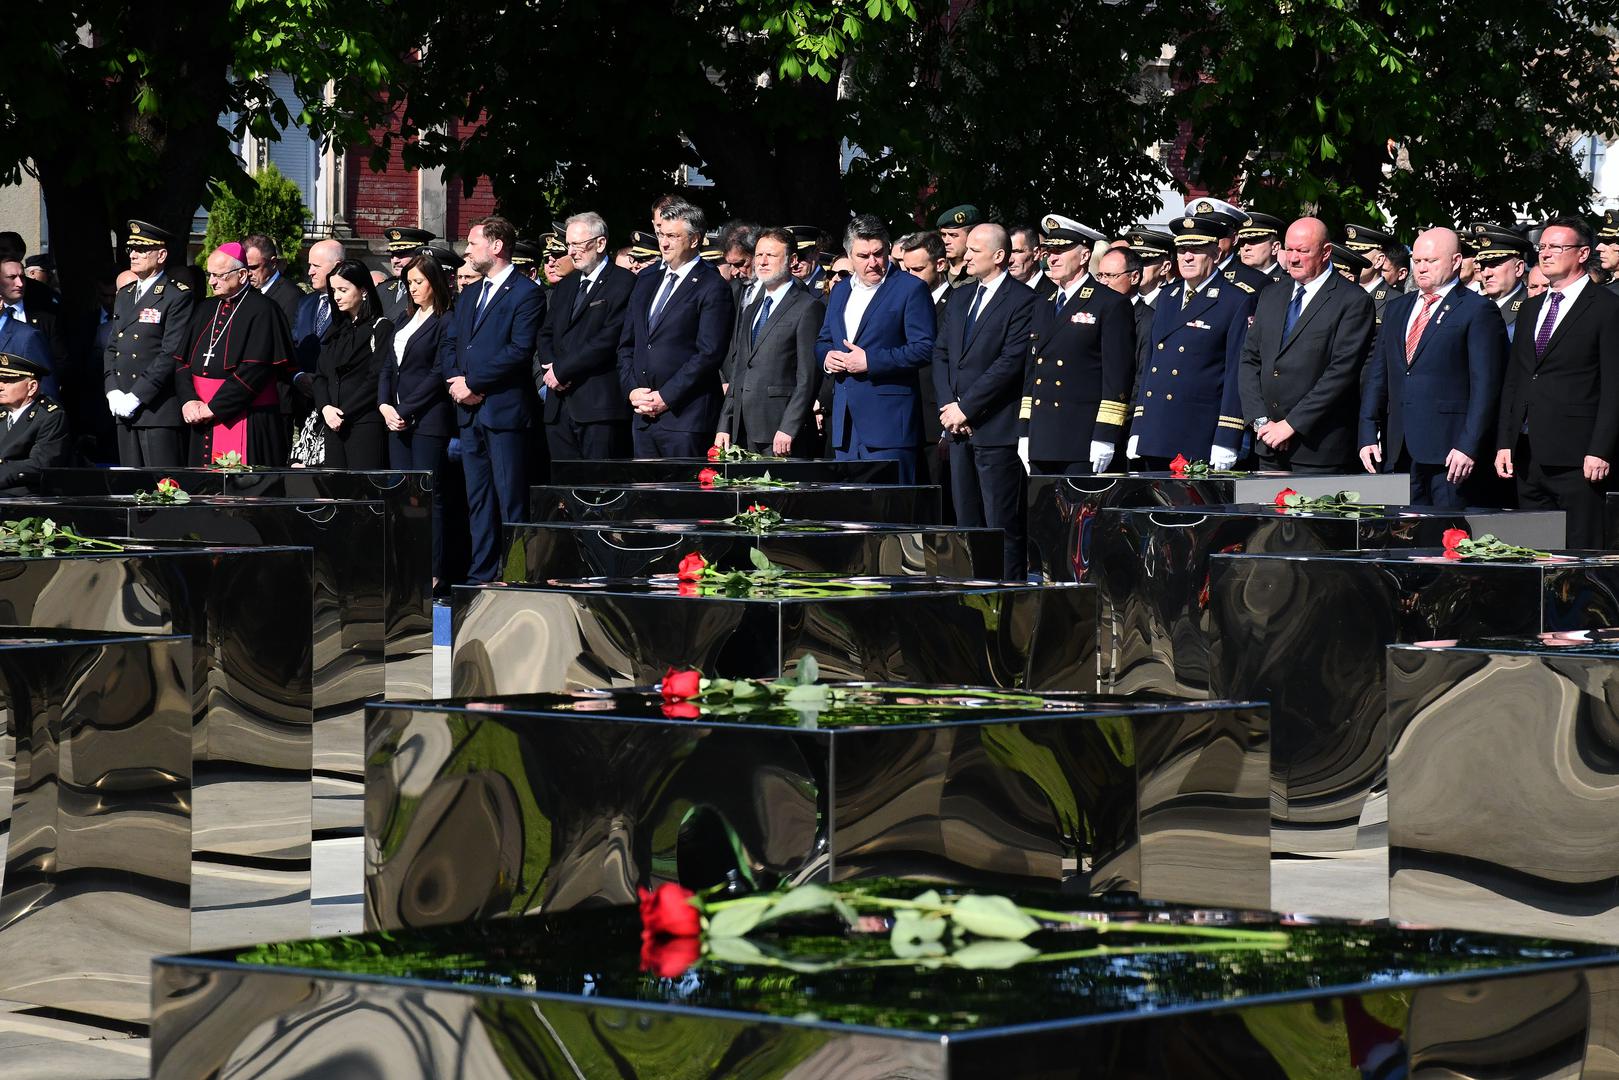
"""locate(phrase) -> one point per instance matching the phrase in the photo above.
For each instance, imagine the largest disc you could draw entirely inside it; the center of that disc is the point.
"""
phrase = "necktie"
(323, 316)
(1548, 324)
(1186, 296)
(663, 298)
(1294, 310)
(1057, 303)
(972, 315)
(5, 317)
(759, 323)
(579, 300)
(483, 297)
(1414, 335)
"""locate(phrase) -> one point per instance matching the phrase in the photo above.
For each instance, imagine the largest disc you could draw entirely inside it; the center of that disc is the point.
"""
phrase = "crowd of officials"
(1483, 360)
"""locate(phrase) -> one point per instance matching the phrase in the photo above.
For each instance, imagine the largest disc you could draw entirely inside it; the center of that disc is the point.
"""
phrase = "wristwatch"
(1261, 422)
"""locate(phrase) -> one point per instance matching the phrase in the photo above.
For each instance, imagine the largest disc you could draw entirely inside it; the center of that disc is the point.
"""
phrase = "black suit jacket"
(983, 371)
(414, 385)
(584, 354)
(1311, 380)
(348, 373)
(1570, 394)
(774, 379)
(1144, 316)
(682, 355)
(287, 297)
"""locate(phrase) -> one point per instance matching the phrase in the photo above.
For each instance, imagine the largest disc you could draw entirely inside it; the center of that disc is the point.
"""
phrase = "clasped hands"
(461, 393)
(648, 403)
(849, 360)
(953, 420)
(122, 403)
(196, 412)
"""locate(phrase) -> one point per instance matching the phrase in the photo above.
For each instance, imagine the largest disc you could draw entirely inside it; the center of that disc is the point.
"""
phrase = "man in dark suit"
(1302, 361)
(1503, 260)
(673, 342)
(314, 316)
(978, 365)
(485, 354)
(264, 271)
(1433, 383)
(774, 374)
(586, 414)
(1187, 400)
(1560, 401)
(20, 333)
(877, 335)
(921, 254)
(1082, 355)
(147, 331)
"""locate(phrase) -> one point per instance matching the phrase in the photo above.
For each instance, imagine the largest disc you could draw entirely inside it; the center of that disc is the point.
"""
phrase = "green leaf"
(759, 559)
(915, 934)
(736, 950)
(993, 917)
(807, 696)
(802, 900)
(983, 955)
(739, 916)
(809, 670)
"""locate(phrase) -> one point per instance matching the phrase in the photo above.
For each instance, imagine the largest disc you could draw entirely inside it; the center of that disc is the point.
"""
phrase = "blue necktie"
(972, 315)
(323, 316)
(1057, 303)
(483, 299)
(663, 298)
(1293, 311)
(759, 323)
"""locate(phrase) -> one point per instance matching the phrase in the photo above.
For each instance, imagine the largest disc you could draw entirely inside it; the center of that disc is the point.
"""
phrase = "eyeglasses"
(1101, 276)
(839, 275)
(1558, 248)
(582, 245)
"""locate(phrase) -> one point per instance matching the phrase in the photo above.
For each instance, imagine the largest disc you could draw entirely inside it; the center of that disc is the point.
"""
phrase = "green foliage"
(272, 206)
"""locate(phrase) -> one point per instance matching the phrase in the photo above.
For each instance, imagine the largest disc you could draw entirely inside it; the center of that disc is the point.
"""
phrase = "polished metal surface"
(1307, 633)
(345, 536)
(555, 801)
(1151, 566)
(1532, 850)
(250, 679)
(559, 549)
(1063, 509)
(573, 996)
(95, 779)
(901, 504)
(590, 632)
(663, 470)
(407, 548)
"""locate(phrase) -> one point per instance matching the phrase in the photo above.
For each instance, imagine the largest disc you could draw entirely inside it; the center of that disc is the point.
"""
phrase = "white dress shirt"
(1570, 293)
(1416, 308)
(860, 297)
(402, 338)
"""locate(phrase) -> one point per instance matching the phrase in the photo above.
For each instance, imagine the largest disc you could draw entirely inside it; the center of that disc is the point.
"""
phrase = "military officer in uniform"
(1259, 240)
(1081, 358)
(1607, 236)
(33, 428)
(1231, 267)
(149, 321)
(403, 246)
(1369, 243)
(1351, 264)
(1189, 402)
(954, 225)
(643, 251)
(1503, 261)
(1157, 261)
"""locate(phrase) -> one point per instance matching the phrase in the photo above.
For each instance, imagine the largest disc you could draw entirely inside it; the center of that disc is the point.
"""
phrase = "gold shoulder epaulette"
(1243, 285)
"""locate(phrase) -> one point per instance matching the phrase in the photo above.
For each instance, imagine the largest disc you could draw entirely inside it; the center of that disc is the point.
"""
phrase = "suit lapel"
(479, 317)
(865, 316)
(789, 300)
(1314, 306)
(1201, 301)
(1450, 300)
(983, 312)
(1567, 319)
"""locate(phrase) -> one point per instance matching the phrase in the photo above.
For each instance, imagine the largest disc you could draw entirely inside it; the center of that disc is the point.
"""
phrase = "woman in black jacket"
(412, 395)
(351, 355)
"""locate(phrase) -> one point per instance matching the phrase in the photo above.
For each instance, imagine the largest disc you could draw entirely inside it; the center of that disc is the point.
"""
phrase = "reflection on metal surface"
(899, 503)
(537, 552)
(598, 632)
(348, 613)
(569, 996)
(1307, 633)
(1532, 850)
(407, 549)
(95, 775)
(666, 470)
(559, 801)
(251, 713)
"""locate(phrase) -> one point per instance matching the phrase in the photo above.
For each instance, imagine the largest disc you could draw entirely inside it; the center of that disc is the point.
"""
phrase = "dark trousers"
(1565, 488)
(859, 451)
(1430, 488)
(656, 441)
(936, 471)
(152, 447)
(357, 446)
(496, 465)
(1282, 461)
(411, 450)
(576, 440)
(990, 491)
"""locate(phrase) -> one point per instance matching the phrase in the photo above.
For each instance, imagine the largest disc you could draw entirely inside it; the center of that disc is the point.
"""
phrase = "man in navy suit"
(978, 363)
(485, 354)
(1434, 379)
(676, 333)
(877, 335)
(586, 416)
(17, 334)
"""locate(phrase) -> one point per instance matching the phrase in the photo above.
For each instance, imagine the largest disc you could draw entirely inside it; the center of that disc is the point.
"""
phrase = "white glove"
(1023, 452)
(1130, 447)
(1221, 458)
(122, 403)
(1101, 456)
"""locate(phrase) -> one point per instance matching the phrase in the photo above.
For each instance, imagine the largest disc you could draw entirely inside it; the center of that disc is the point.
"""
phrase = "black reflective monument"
(663, 470)
(899, 503)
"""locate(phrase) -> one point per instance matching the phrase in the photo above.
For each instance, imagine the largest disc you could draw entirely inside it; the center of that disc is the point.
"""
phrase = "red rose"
(690, 588)
(679, 685)
(692, 567)
(668, 912)
(714, 453)
(1178, 466)
(681, 710)
(707, 477)
(1281, 496)
(168, 483)
(1453, 539)
(1452, 553)
(758, 508)
(669, 957)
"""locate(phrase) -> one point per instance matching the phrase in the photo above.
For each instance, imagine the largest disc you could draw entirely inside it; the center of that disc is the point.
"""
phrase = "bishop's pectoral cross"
(208, 356)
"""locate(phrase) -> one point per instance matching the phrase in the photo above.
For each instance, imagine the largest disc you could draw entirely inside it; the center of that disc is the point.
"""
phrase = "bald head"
(988, 249)
(1436, 257)
(323, 258)
(1306, 253)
